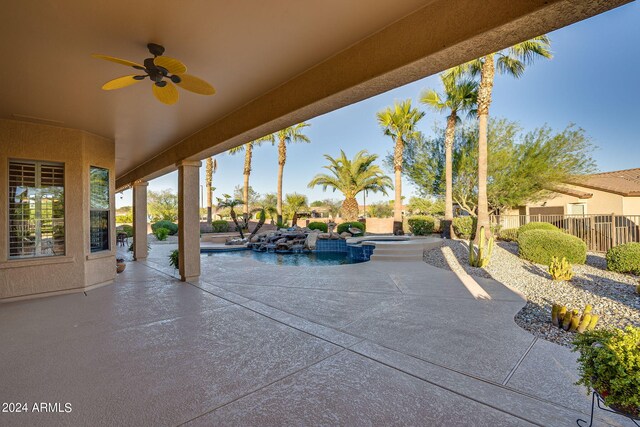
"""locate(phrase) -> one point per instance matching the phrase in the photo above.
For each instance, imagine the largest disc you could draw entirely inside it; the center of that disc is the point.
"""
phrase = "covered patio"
(239, 342)
(377, 343)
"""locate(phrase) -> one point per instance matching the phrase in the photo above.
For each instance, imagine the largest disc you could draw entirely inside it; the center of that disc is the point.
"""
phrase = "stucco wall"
(601, 202)
(374, 225)
(631, 206)
(77, 150)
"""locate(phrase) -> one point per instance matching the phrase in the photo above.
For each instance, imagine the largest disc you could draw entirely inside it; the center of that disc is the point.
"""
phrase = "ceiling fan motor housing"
(155, 49)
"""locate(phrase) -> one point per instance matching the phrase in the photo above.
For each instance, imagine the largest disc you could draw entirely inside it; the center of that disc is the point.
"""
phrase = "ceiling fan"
(163, 72)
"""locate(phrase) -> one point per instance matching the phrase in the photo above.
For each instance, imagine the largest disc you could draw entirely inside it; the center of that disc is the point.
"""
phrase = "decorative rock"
(310, 243)
(354, 231)
(345, 234)
(611, 294)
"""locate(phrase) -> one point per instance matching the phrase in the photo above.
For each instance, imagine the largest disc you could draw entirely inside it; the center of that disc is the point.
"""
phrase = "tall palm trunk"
(208, 180)
(397, 205)
(247, 171)
(350, 209)
(282, 158)
(484, 101)
(447, 228)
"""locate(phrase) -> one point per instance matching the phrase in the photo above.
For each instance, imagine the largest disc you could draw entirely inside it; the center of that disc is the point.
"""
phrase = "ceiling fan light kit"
(163, 71)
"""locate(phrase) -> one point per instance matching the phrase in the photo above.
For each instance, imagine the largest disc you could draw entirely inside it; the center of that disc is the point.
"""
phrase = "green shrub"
(624, 258)
(174, 258)
(126, 228)
(537, 226)
(609, 363)
(421, 225)
(346, 225)
(540, 246)
(219, 226)
(508, 234)
(465, 226)
(171, 226)
(161, 233)
(317, 225)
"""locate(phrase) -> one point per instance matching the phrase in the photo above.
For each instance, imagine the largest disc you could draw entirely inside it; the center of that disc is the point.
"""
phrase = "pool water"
(304, 259)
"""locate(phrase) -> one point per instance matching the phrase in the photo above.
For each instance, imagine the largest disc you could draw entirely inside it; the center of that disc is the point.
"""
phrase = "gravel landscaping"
(612, 295)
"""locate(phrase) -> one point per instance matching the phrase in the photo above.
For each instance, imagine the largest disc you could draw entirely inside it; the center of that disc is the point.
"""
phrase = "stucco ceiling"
(244, 48)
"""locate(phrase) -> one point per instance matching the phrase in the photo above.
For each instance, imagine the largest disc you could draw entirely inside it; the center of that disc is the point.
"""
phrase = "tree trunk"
(350, 209)
(208, 180)
(282, 158)
(397, 205)
(234, 217)
(484, 102)
(247, 171)
(447, 226)
(261, 220)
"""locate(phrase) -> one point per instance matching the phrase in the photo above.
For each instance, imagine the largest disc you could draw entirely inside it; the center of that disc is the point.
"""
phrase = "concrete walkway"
(377, 343)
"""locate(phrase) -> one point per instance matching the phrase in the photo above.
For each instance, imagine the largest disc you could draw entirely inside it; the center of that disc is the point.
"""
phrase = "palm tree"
(460, 95)
(248, 154)
(229, 202)
(399, 122)
(269, 202)
(212, 166)
(289, 135)
(352, 177)
(295, 203)
(511, 61)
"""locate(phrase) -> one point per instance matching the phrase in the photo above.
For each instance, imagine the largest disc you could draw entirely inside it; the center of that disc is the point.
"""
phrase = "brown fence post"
(613, 231)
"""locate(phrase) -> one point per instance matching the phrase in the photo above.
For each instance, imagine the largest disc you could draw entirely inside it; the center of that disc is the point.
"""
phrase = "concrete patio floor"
(376, 343)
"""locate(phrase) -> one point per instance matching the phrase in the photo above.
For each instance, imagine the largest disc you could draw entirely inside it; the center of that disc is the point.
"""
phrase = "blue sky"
(592, 81)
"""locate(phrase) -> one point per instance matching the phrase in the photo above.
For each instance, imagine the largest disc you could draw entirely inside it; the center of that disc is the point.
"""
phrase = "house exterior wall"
(78, 269)
(601, 202)
(631, 206)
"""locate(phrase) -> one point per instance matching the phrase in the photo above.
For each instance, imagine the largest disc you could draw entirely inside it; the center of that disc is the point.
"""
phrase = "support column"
(189, 219)
(140, 249)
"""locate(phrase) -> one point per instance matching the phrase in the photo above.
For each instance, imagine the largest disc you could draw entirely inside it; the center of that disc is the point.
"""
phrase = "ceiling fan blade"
(118, 60)
(120, 82)
(196, 85)
(167, 94)
(171, 64)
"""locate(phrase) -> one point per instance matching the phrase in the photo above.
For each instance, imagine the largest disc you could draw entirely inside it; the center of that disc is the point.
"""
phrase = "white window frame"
(39, 250)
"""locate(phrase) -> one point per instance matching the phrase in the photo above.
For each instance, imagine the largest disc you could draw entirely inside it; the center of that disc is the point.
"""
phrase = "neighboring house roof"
(624, 182)
(572, 192)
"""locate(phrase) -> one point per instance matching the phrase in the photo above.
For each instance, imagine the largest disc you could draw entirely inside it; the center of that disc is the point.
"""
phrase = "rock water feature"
(291, 240)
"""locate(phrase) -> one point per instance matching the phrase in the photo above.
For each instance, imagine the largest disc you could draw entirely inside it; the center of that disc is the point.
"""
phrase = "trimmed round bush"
(126, 228)
(317, 225)
(219, 226)
(537, 226)
(171, 226)
(540, 246)
(508, 234)
(421, 225)
(346, 225)
(465, 226)
(161, 233)
(624, 258)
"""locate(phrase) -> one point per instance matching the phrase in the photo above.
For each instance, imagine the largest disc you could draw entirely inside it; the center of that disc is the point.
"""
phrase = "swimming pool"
(301, 259)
